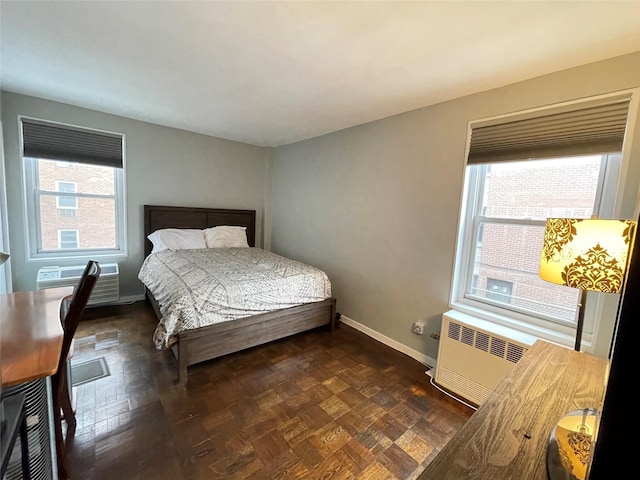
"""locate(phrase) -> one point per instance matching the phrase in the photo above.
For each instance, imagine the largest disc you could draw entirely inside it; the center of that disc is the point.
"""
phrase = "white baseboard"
(390, 342)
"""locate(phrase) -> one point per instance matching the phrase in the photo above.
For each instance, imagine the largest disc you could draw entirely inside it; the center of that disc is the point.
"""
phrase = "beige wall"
(163, 166)
(376, 206)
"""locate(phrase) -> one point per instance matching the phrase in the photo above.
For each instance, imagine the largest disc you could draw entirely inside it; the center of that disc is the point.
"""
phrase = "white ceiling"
(270, 73)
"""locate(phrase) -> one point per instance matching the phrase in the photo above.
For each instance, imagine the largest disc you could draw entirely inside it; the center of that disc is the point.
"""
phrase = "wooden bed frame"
(206, 343)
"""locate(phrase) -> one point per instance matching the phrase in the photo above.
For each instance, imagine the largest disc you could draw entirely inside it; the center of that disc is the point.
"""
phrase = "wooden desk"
(506, 438)
(30, 334)
(30, 340)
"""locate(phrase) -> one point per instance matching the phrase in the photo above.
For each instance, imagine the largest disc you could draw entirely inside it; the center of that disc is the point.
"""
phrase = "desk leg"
(52, 437)
(24, 447)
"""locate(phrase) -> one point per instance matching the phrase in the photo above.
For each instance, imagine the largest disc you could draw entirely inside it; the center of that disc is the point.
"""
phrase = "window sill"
(82, 256)
(521, 324)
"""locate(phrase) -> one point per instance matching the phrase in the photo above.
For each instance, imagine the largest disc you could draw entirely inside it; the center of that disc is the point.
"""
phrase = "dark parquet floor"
(318, 405)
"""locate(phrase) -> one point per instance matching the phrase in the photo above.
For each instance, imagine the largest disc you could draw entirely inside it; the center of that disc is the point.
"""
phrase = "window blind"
(73, 144)
(592, 127)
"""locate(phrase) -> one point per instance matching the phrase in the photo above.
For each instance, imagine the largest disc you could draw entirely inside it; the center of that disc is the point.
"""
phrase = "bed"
(195, 345)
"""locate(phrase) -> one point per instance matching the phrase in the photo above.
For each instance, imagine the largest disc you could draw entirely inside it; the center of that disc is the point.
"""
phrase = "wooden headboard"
(157, 217)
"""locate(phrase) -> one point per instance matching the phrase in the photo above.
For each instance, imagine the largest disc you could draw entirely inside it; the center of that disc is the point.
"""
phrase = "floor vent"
(89, 371)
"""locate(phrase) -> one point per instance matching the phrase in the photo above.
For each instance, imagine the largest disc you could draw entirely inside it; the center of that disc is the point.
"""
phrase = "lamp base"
(569, 448)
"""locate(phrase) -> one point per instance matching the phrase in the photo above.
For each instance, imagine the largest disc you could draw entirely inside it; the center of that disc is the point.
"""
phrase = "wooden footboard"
(206, 343)
(213, 341)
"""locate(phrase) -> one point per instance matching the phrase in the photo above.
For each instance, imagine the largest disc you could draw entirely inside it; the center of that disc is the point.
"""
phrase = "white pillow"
(226, 236)
(177, 239)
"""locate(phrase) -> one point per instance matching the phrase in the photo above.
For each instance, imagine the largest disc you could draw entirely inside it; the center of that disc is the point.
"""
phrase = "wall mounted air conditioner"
(106, 289)
(474, 355)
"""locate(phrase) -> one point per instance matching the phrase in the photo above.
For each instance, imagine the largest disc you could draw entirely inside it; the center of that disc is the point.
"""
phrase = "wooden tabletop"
(507, 437)
(30, 334)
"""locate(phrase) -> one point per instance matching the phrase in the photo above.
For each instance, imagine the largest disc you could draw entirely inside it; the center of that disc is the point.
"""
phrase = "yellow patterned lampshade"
(589, 254)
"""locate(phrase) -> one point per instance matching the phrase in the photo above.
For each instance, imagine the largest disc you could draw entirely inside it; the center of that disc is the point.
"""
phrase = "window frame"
(31, 196)
(607, 205)
(539, 325)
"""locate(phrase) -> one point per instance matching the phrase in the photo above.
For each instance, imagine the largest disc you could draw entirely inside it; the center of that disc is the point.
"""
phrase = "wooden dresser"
(506, 438)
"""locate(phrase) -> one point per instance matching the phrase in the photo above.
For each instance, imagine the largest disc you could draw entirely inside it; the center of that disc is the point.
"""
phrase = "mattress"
(196, 288)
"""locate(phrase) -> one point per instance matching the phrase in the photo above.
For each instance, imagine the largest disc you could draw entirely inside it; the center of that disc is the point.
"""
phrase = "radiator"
(474, 355)
(106, 289)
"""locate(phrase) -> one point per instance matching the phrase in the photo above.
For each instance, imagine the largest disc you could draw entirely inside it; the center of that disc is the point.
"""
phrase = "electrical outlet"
(418, 327)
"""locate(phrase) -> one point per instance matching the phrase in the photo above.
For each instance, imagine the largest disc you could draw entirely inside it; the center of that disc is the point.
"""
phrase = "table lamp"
(591, 255)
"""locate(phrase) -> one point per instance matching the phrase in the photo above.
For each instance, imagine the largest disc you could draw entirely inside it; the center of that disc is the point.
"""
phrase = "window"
(520, 171)
(499, 290)
(512, 202)
(74, 188)
(68, 239)
(66, 201)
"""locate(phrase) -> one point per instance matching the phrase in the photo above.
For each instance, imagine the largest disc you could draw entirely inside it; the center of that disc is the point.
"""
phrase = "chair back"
(71, 311)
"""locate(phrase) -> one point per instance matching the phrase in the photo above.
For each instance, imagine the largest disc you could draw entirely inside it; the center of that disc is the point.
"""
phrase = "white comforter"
(201, 287)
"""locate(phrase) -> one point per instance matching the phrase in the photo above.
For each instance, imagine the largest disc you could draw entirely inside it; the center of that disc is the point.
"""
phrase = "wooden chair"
(71, 310)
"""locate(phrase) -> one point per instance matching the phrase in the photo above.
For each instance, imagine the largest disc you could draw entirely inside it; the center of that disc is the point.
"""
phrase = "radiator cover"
(474, 355)
(106, 289)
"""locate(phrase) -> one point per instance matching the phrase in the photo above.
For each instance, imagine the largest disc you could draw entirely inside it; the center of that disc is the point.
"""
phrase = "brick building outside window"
(94, 215)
